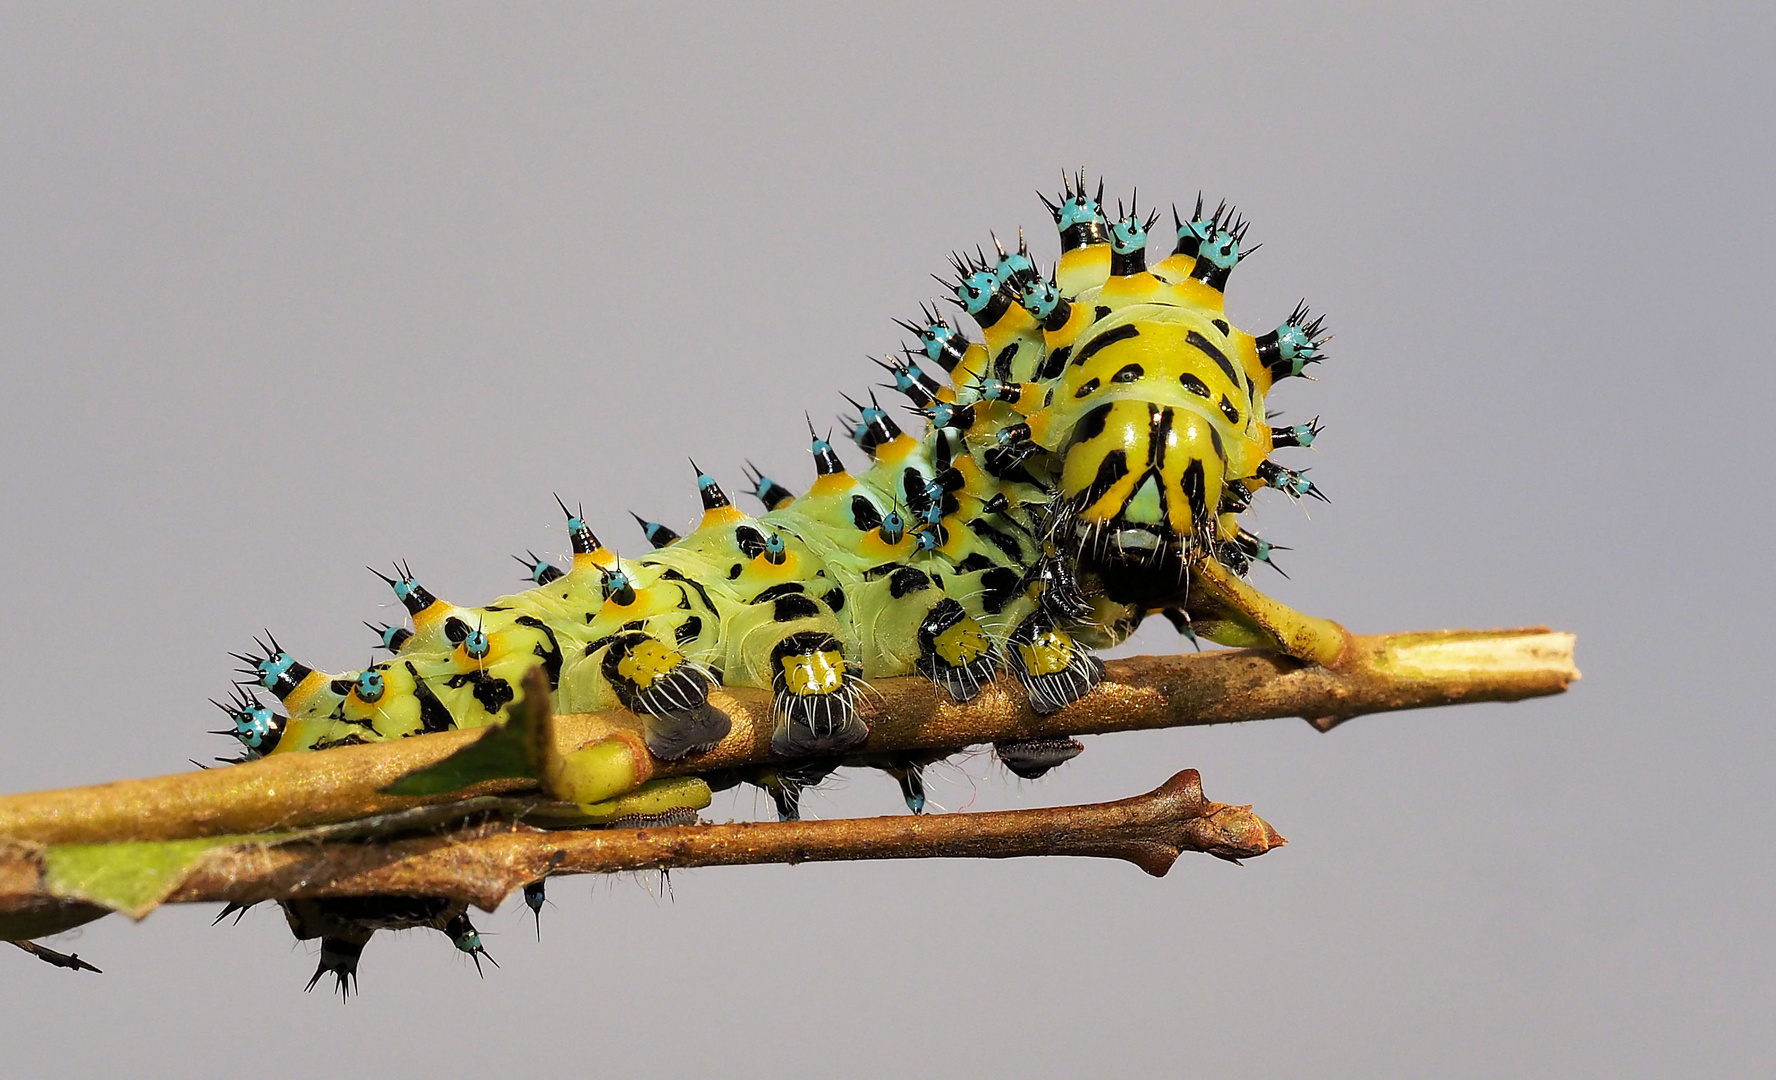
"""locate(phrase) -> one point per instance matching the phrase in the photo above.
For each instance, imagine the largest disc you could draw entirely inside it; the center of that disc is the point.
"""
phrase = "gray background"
(289, 293)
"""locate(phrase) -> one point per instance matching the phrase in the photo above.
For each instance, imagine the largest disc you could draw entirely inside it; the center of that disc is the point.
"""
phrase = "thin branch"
(482, 865)
(1375, 673)
(71, 961)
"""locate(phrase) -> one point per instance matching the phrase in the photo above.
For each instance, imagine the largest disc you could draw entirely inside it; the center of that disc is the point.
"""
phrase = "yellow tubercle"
(972, 367)
(1078, 319)
(832, 484)
(720, 517)
(593, 561)
(789, 569)
(1083, 268)
(897, 449)
(303, 694)
(877, 550)
(957, 537)
(1193, 293)
(1015, 323)
(1140, 288)
(499, 647)
(432, 616)
(1174, 268)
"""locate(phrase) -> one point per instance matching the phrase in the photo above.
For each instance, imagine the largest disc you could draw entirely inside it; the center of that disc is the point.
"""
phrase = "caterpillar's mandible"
(1092, 445)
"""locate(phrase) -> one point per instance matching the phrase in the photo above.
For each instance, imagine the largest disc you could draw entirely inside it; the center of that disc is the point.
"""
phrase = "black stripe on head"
(1112, 469)
(1092, 424)
(1160, 421)
(1196, 490)
(1213, 352)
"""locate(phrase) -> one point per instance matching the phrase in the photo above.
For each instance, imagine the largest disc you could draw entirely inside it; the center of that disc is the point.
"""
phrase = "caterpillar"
(1083, 451)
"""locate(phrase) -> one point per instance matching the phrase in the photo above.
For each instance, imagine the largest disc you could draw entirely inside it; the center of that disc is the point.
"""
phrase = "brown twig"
(1376, 673)
(71, 961)
(483, 865)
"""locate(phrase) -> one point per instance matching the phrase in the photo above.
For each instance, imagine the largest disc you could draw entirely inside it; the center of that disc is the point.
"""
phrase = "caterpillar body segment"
(1075, 452)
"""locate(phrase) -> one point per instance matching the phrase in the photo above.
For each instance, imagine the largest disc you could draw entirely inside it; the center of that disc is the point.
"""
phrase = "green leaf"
(132, 877)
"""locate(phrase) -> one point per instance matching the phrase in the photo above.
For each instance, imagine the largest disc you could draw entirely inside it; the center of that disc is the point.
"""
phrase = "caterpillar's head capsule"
(257, 727)
(1138, 487)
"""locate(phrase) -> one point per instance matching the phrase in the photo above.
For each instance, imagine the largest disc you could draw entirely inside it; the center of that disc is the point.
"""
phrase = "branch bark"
(1375, 673)
(482, 865)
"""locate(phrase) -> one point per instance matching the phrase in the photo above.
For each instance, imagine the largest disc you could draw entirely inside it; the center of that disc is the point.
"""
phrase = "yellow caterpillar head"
(1139, 485)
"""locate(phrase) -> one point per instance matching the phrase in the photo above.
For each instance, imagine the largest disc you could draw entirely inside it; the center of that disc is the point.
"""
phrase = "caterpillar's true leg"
(671, 695)
(816, 696)
(955, 653)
